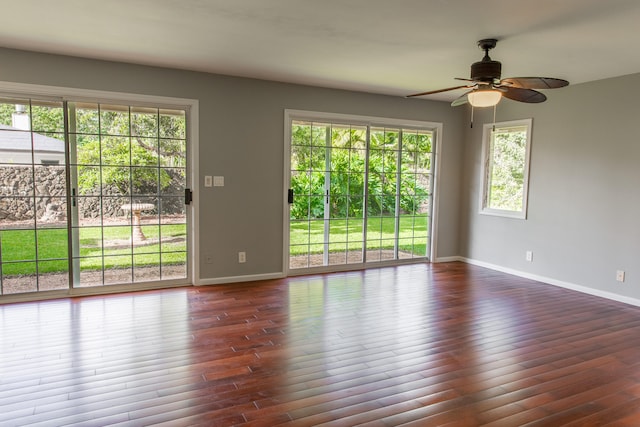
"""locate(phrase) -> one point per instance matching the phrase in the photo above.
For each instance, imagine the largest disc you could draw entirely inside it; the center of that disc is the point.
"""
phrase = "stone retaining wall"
(16, 196)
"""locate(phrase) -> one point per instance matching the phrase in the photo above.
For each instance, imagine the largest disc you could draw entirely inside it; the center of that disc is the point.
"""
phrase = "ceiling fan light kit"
(484, 97)
(487, 87)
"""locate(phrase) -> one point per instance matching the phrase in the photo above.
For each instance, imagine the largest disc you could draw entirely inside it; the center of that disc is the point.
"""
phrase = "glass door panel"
(348, 156)
(33, 197)
(129, 174)
(307, 214)
(325, 224)
(382, 190)
(415, 211)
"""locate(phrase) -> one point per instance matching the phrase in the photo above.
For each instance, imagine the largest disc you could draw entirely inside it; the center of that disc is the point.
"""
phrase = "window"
(505, 172)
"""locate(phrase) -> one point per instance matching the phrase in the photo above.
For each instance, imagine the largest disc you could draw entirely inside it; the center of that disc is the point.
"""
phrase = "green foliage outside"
(116, 150)
(114, 137)
(508, 152)
(346, 146)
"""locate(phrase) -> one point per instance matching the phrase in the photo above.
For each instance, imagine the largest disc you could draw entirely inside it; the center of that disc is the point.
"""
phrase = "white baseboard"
(554, 282)
(236, 279)
(448, 259)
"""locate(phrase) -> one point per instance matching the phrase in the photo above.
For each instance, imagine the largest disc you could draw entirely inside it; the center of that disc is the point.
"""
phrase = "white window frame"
(487, 165)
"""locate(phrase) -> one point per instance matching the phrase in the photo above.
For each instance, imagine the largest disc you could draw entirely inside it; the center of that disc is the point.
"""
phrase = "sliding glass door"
(358, 193)
(92, 195)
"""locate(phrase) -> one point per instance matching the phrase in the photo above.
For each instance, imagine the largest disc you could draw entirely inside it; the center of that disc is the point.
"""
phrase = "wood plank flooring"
(414, 345)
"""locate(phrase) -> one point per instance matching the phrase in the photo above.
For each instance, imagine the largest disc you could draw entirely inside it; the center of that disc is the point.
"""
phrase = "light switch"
(218, 181)
(207, 181)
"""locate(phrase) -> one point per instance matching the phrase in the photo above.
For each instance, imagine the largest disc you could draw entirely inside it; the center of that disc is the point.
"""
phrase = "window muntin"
(505, 171)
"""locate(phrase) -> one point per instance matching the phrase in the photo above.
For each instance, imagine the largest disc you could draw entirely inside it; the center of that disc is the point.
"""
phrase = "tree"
(508, 151)
(338, 153)
(115, 137)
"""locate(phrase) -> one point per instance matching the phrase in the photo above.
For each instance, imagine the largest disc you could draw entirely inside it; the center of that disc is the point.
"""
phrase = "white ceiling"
(394, 47)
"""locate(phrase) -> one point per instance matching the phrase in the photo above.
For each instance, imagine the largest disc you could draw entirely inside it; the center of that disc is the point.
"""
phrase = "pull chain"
(494, 117)
(472, 117)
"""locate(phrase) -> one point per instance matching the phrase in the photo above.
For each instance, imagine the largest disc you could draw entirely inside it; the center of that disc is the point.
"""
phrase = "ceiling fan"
(487, 88)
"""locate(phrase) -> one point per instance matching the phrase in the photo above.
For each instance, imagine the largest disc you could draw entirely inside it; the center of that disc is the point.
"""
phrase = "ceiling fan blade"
(431, 92)
(460, 100)
(534, 82)
(523, 95)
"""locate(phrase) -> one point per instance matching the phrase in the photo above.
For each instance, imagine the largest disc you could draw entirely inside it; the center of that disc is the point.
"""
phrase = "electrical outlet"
(529, 256)
(242, 257)
(620, 275)
(208, 259)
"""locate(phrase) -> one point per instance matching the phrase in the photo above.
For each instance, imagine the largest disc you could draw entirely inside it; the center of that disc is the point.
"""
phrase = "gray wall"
(242, 139)
(584, 198)
(582, 221)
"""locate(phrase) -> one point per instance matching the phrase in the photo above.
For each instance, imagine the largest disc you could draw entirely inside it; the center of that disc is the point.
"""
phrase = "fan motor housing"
(486, 71)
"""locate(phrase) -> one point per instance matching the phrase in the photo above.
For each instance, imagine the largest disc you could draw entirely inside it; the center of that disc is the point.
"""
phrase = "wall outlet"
(208, 259)
(529, 256)
(242, 257)
(620, 275)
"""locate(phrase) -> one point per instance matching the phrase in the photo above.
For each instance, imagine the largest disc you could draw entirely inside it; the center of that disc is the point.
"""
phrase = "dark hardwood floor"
(416, 345)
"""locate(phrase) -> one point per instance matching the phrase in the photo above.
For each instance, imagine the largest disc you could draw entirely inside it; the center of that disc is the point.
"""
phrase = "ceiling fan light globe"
(484, 98)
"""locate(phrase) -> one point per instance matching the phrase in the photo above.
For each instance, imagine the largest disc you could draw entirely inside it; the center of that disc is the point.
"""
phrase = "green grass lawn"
(19, 248)
(346, 234)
